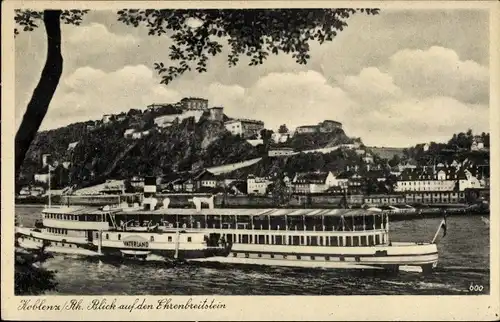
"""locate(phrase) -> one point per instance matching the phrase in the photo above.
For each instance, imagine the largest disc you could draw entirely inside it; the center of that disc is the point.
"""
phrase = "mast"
(177, 236)
(48, 193)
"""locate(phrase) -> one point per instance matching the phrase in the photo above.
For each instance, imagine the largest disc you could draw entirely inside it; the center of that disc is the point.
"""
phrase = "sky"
(396, 79)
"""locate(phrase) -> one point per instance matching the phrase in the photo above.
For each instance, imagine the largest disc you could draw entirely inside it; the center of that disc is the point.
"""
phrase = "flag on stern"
(443, 225)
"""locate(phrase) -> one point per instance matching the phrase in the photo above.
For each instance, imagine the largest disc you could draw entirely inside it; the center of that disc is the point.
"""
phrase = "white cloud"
(95, 38)
(371, 86)
(294, 99)
(410, 121)
(89, 93)
(439, 71)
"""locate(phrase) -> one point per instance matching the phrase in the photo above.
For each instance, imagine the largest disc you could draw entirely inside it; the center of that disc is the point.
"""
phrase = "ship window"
(363, 241)
(370, 240)
(313, 241)
(267, 239)
(333, 241)
(261, 239)
(189, 239)
(107, 236)
(284, 256)
(327, 241)
(235, 254)
(327, 258)
(278, 240)
(247, 255)
(377, 239)
(313, 258)
(169, 238)
(259, 255)
(321, 241)
(295, 240)
(119, 236)
(152, 238)
(348, 241)
(302, 240)
(272, 255)
(251, 239)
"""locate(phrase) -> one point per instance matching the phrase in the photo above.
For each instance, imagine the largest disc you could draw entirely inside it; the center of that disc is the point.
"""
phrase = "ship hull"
(32, 239)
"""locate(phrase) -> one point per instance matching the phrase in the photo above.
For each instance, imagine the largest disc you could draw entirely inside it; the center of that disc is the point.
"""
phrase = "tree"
(283, 129)
(30, 278)
(255, 33)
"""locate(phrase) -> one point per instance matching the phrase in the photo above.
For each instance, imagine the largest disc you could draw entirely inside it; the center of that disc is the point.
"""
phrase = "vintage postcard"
(258, 160)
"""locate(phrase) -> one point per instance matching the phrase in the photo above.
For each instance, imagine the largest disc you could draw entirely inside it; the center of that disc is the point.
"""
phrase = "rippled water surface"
(464, 259)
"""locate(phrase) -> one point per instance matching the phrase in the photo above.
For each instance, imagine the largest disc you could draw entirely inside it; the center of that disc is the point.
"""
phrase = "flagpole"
(49, 188)
(437, 232)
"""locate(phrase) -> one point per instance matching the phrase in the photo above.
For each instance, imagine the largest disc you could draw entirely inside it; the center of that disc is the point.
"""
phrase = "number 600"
(475, 288)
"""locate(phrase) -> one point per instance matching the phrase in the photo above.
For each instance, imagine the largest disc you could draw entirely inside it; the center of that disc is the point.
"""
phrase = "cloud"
(370, 86)
(439, 71)
(95, 38)
(89, 93)
(293, 98)
(411, 120)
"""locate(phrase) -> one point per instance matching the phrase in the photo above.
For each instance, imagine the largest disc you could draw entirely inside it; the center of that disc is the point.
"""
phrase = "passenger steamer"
(97, 232)
(326, 238)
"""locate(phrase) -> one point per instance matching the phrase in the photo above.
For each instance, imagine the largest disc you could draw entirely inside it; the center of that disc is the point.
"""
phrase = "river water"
(464, 261)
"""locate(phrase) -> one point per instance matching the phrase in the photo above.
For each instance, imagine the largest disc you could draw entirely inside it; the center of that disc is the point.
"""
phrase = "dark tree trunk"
(44, 91)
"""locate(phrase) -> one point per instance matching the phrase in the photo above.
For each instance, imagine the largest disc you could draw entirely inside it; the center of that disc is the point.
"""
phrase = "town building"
(367, 158)
(329, 126)
(280, 137)
(113, 187)
(313, 182)
(42, 177)
(322, 127)
(471, 178)
(384, 199)
(477, 144)
(216, 114)
(434, 197)
(137, 182)
(244, 127)
(194, 103)
(34, 191)
(206, 179)
(106, 118)
(279, 152)
(45, 159)
(257, 185)
(429, 179)
(306, 129)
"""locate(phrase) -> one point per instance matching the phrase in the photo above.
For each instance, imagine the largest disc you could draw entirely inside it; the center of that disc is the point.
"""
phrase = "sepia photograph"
(270, 150)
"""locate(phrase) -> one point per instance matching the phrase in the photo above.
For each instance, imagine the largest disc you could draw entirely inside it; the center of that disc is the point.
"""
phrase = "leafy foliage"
(457, 148)
(28, 20)
(256, 33)
(30, 277)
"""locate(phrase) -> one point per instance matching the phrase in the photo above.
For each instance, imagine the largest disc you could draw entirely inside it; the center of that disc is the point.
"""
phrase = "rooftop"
(256, 212)
(311, 177)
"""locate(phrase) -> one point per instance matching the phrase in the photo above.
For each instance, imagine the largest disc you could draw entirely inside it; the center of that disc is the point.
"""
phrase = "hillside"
(104, 153)
(387, 152)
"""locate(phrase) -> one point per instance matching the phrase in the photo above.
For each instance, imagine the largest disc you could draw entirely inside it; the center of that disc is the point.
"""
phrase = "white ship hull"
(408, 256)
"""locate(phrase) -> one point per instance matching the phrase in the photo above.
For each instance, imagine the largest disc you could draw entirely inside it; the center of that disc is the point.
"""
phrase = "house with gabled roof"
(313, 182)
